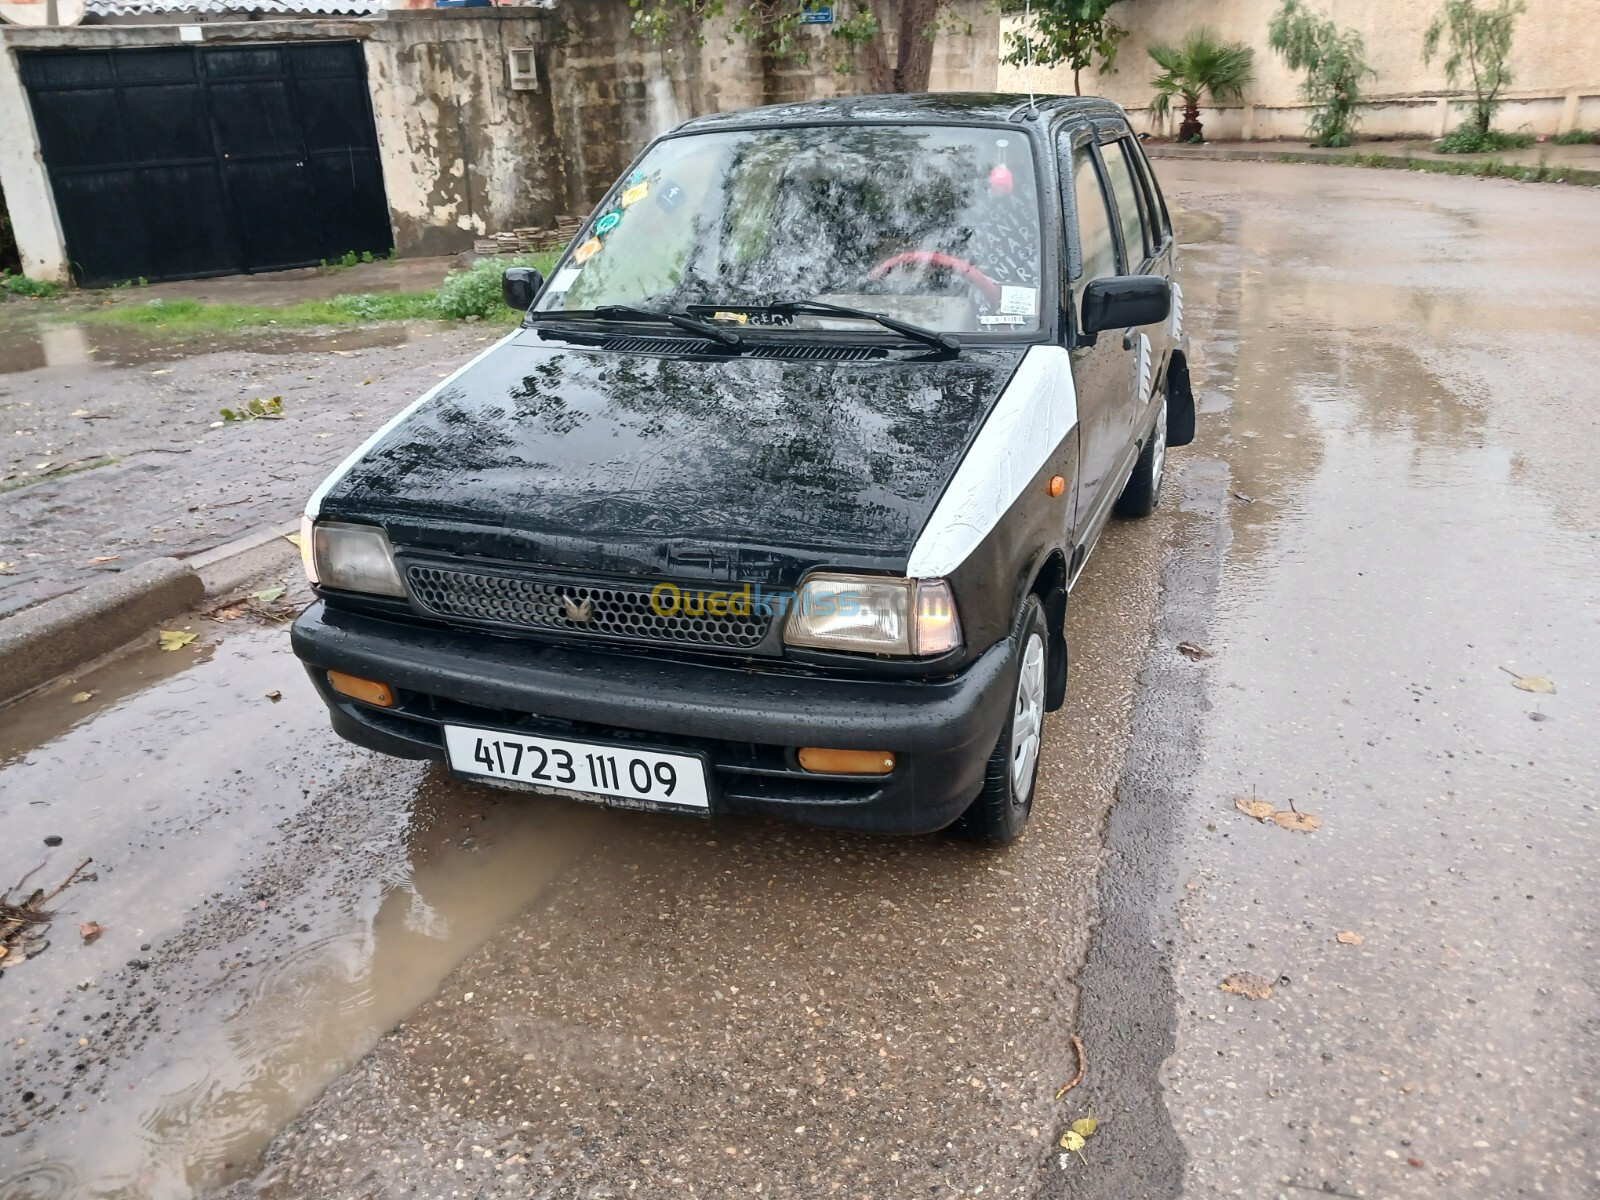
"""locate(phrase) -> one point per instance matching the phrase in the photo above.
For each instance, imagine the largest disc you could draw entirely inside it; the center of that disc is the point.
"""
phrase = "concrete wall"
(1555, 64)
(465, 155)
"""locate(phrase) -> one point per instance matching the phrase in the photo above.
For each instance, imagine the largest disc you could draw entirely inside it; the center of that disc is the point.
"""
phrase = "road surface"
(327, 974)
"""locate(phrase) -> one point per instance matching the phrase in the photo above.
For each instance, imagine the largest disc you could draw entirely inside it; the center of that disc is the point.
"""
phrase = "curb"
(57, 637)
(1493, 168)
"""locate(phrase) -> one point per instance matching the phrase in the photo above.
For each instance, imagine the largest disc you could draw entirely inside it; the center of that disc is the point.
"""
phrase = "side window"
(1119, 172)
(1099, 251)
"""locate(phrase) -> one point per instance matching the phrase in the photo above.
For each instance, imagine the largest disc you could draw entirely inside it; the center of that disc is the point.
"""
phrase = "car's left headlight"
(351, 558)
(874, 615)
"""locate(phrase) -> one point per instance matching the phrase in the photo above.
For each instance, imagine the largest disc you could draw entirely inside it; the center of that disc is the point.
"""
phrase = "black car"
(773, 501)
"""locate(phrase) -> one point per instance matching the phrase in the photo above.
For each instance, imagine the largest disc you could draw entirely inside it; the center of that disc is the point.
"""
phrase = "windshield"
(931, 224)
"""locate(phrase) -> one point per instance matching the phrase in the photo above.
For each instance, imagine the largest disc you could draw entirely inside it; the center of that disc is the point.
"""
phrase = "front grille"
(591, 609)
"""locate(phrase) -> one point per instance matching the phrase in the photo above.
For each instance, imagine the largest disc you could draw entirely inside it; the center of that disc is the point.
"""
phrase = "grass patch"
(1489, 168)
(1576, 137)
(472, 293)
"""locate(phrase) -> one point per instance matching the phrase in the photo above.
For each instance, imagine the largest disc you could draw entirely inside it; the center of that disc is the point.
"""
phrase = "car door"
(1101, 373)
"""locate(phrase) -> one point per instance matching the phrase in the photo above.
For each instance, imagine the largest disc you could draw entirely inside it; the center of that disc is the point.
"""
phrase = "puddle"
(274, 902)
(32, 343)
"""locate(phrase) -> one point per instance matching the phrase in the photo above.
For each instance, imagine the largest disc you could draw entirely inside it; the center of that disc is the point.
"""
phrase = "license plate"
(616, 774)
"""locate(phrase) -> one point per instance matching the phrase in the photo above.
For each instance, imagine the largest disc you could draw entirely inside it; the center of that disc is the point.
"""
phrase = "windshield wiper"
(930, 337)
(626, 312)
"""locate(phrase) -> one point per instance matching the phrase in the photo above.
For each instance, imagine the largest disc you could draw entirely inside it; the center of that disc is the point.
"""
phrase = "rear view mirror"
(1123, 302)
(518, 287)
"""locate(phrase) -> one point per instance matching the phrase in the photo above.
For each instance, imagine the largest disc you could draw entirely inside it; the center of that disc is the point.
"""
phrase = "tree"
(1480, 43)
(1335, 65)
(1200, 67)
(858, 25)
(1075, 32)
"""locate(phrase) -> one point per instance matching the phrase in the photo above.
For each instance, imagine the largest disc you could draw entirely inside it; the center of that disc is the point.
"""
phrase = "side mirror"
(518, 287)
(1122, 302)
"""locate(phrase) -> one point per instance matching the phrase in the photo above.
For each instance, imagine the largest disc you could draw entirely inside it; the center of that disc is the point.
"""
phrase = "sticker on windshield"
(1019, 301)
(607, 223)
(586, 251)
(670, 196)
(1003, 319)
(634, 194)
(741, 318)
(565, 278)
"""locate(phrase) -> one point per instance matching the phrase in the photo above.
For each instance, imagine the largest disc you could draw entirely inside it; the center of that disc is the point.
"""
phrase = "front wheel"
(1143, 491)
(999, 814)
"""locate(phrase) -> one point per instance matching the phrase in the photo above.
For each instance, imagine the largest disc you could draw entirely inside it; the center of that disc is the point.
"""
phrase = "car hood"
(708, 466)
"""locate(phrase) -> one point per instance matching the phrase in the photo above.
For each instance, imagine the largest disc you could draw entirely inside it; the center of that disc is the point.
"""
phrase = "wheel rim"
(1028, 720)
(1158, 459)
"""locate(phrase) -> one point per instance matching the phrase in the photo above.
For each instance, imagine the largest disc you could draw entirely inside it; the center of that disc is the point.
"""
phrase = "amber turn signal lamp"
(1056, 486)
(368, 691)
(846, 762)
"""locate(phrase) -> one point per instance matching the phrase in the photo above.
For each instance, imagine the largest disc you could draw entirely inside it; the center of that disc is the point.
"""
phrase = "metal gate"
(184, 161)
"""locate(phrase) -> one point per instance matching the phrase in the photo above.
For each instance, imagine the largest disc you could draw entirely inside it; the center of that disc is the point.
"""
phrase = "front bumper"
(746, 722)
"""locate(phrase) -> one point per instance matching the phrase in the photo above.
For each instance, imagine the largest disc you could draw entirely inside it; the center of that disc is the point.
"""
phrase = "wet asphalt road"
(462, 992)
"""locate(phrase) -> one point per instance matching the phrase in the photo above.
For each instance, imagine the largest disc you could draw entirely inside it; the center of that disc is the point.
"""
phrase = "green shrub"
(1576, 137)
(1335, 66)
(1468, 139)
(21, 285)
(475, 292)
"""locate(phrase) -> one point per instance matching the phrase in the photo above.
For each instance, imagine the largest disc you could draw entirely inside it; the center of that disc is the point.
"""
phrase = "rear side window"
(1160, 224)
(1129, 209)
(1099, 251)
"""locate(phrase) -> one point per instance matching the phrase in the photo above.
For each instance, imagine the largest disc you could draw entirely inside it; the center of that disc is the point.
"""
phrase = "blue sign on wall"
(816, 14)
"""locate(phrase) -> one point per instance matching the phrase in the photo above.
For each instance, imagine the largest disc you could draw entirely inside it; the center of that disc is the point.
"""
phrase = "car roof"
(955, 108)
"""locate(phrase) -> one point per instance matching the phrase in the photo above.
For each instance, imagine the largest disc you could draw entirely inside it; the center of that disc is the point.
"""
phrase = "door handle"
(1127, 339)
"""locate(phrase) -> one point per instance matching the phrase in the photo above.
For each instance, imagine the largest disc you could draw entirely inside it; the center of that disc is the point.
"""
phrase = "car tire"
(999, 814)
(1143, 490)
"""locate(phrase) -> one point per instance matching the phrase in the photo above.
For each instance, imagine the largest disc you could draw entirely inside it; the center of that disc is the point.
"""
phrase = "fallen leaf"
(274, 695)
(4, 952)
(162, 371)
(1251, 987)
(1085, 1127)
(1190, 650)
(106, 558)
(229, 613)
(1072, 1141)
(268, 595)
(82, 697)
(295, 540)
(1349, 937)
(1533, 683)
(1533, 716)
(175, 639)
(1297, 822)
(80, 412)
(41, 466)
(366, 381)
(1243, 499)
(1415, 1162)
(90, 930)
(1261, 810)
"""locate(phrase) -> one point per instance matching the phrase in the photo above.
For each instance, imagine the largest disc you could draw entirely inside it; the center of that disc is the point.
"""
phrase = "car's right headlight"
(351, 558)
(873, 614)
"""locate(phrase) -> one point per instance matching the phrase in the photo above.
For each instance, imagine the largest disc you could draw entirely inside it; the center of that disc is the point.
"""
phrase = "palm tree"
(1201, 66)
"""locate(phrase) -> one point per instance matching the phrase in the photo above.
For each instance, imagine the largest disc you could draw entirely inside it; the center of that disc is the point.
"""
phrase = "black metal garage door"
(183, 161)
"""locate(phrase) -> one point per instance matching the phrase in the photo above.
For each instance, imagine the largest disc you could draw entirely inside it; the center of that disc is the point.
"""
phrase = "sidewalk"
(1562, 164)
